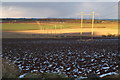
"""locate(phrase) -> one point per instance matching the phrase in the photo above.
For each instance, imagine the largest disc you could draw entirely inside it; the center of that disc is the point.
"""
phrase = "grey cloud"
(62, 9)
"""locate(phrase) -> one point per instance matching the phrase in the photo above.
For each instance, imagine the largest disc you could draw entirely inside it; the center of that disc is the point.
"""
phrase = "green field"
(23, 26)
(30, 26)
(11, 27)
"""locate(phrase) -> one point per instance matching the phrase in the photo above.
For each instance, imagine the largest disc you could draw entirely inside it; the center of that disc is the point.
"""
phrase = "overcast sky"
(59, 9)
(60, 0)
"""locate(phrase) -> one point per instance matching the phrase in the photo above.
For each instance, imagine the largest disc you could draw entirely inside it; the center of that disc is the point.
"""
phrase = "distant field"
(59, 28)
(30, 26)
(17, 26)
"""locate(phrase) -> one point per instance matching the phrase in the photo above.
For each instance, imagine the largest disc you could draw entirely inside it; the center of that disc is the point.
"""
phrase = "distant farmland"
(59, 26)
(31, 26)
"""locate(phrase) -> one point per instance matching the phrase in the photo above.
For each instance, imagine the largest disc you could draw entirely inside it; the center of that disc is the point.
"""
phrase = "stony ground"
(72, 57)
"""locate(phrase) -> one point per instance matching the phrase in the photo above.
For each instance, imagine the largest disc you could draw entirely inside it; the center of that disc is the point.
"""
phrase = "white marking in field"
(105, 67)
(22, 76)
(110, 73)
(68, 68)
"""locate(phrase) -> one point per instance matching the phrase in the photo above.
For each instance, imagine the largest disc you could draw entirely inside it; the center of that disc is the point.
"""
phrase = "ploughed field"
(72, 57)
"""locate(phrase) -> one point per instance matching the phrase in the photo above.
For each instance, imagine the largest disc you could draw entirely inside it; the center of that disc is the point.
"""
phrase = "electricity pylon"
(39, 25)
(92, 24)
(92, 31)
(81, 23)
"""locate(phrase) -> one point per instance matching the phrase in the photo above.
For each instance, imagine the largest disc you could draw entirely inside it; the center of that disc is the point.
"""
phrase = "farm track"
(71, 57)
